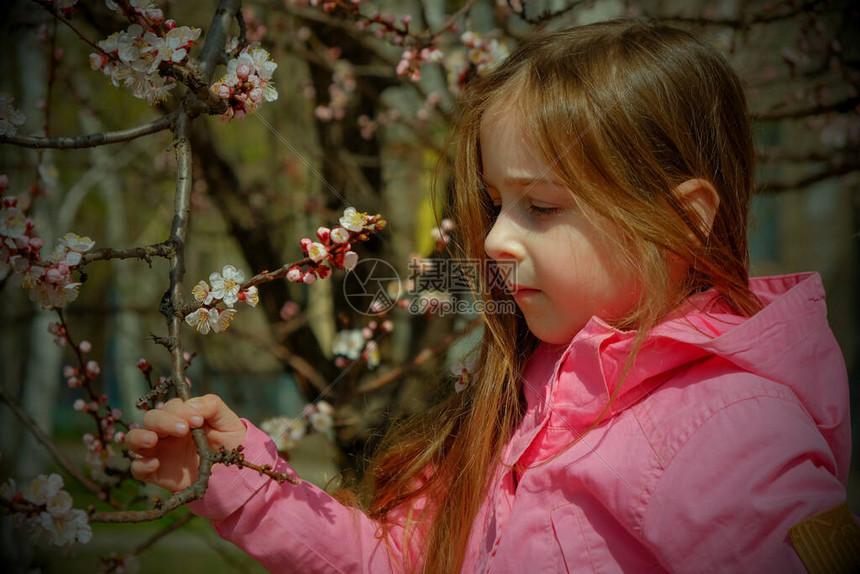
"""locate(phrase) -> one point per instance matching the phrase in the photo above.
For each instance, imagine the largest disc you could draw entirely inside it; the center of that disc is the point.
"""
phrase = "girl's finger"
(180, 408)
(142, 468)
(165, 423)
(140, 440)
(217, 414)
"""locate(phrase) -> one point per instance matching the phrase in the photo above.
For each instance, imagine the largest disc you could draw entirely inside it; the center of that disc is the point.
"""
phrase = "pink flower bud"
(92, 406)
(4, 182)
(323, 233)
(144, 366)
(340, 362)
(372, 324)
(243, 71)
(350, 258)
(156, 15)
(387, 326)
(85, 347)
(367, 333)
(73, 382)
(294, 274)
(35, 244)
(309, 278)
(80, 405)
(69, 371)
(289, 310)
(93, 369)
(324, 113)
(119, 437)
(406, 20)
(116, 414)
(339, 235)
(170, 24)
(256, 95)
(53, 276)
(324, 271)
(186, 356)
(305, 243)
(239, 114)
(224, 91)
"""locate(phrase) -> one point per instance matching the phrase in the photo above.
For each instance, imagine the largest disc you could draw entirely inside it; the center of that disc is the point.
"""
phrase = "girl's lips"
(522, 292)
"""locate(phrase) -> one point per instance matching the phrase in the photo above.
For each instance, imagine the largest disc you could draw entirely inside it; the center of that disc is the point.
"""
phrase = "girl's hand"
(169, 457)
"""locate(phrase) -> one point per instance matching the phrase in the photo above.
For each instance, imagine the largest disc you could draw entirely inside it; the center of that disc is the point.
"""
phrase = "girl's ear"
(699, 197)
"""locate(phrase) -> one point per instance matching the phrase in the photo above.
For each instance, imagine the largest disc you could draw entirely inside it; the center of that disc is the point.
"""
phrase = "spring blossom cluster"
(247, 82)
(49, 281)
(286, 432)
(334, 246)
(227, 288)
(132, 57)
(352, 344)
(50, 517)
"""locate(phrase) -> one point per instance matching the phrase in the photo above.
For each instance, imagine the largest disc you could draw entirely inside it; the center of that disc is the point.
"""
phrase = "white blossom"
(349, 343)
(226, 285)
(284, 431)
(10, 118)
(317, 252)
(42, 488)
(353, 220)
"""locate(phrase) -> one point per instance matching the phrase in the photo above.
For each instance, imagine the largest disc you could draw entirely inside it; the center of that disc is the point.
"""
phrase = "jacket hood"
(789, 342)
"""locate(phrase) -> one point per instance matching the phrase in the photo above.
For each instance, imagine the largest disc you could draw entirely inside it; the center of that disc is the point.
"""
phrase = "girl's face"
(567, 268)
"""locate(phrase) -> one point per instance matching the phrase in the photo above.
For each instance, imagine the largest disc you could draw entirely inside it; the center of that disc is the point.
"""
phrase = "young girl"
(650, 408)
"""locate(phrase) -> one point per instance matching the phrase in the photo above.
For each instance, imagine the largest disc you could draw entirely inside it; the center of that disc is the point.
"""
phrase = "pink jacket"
(726, 433)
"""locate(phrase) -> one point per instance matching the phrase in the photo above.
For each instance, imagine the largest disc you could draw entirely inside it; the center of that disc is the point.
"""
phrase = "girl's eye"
(543, 210)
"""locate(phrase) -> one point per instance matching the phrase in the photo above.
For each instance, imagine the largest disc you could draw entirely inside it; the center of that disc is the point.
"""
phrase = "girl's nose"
(502, 239)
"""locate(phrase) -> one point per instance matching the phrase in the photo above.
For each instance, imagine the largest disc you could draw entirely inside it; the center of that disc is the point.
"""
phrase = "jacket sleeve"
(293, 528)
(747, 474)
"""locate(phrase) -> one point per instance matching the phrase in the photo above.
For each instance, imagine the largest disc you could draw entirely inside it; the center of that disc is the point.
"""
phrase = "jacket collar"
(584, 374)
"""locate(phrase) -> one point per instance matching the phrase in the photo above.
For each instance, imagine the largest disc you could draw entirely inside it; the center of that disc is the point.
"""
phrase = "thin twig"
(50, 8)
(161, 534)
(92, 140)
(46, 441)
(419, 360)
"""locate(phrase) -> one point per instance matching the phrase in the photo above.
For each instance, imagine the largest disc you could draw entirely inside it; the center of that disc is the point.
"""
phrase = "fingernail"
(197, 421)
(181, 428)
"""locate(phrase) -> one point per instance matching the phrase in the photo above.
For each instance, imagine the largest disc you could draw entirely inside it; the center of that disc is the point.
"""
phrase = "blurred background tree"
(367, 93)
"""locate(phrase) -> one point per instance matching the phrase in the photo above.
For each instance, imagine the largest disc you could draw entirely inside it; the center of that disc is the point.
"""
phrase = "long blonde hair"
(624, 112)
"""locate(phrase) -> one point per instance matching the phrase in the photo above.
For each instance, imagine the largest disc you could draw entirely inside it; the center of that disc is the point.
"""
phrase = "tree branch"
(165, 249)
(803, 182)
(841, 107)
(92, 140)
